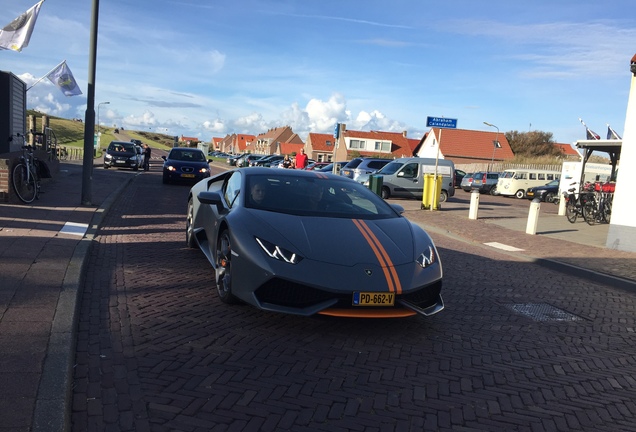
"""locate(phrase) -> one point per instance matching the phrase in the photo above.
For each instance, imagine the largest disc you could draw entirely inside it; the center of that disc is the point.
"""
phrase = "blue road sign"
(441, 122)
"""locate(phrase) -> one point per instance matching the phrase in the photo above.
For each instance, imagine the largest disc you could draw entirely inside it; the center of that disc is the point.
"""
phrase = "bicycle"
(601, 208)
(24, 175)
(576, 204)
(62, 153)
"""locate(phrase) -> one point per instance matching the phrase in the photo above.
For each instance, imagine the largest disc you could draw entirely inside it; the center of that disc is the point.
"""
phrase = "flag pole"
(49, 72)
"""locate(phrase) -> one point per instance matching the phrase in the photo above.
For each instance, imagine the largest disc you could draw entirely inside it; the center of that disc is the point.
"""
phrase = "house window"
(357, 144)
(328, 143)
(383, 146)
(541, 176)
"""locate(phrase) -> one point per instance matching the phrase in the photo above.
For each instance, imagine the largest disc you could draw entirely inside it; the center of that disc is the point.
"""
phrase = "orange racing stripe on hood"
(383, 257)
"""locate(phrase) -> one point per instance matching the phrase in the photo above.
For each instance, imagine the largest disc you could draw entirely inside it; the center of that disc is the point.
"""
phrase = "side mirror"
(163, 157)
(398, 208)
(212, 198)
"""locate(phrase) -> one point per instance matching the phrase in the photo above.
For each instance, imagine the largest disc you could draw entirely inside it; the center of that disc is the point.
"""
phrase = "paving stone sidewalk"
(43, 246)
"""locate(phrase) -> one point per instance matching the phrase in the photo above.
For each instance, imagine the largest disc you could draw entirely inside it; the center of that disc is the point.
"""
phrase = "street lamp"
(98, 105)
(98, 133)
(496, 145)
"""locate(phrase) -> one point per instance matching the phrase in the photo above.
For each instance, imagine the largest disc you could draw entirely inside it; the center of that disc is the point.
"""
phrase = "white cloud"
(323, 115)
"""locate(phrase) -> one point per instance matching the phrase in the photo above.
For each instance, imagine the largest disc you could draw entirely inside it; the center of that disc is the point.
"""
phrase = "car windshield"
(187, 155)
(391, 168)
(318, 195)
(122, 147)
(353, 163)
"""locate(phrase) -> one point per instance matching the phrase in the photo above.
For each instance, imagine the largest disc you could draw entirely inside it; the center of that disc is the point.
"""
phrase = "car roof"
(186, 149)
(296, 173)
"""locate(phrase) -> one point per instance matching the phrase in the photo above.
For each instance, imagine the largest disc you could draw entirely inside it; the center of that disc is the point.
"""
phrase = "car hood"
(124, 154)
(180, 163)
(340, 241)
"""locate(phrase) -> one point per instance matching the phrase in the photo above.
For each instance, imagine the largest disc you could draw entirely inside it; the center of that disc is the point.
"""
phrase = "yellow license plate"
(187, 175)
(373, 299)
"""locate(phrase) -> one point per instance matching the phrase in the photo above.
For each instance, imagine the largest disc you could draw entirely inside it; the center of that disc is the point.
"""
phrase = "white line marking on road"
(74, 228)
(503, 246)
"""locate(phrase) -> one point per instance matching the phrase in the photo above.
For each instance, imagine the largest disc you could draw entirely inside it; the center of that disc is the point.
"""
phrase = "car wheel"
(493, 190)
(106, 167)
(549, 197)
(443, 197)
(224, 266)
(385, 193)
(520, 194)
(136, 168)
(190, 240)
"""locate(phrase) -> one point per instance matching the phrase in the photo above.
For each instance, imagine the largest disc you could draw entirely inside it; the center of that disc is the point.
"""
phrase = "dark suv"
(485, 182)
(357, 166)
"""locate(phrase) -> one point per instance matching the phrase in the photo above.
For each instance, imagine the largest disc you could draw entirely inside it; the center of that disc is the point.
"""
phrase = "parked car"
(362, 165)
(122, 154)
(316, 166)
(185, 164)
(268, 161)
(404, 177)
(274, 250)
(329, 167)
(548, 192)
(137, 142)
(231, 160)
(247, 159)
(467, 182)
(459, 176)
(485, 182)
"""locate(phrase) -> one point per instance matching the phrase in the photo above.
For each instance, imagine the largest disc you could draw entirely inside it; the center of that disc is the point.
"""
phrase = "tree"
(532, 144)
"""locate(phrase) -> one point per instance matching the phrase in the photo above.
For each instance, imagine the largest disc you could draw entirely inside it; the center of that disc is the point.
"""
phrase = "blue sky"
(205, 69)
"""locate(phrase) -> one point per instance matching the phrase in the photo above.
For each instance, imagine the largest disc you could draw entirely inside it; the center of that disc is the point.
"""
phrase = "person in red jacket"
(301, 160)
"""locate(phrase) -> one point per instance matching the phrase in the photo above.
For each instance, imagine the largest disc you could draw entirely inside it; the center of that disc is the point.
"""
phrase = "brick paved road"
(157, 351)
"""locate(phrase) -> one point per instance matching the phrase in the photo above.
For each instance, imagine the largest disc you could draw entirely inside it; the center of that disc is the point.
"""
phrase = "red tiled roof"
(472, 144)
(319, 141)
(401, 145)
(567, 149)
(290, 148)
(185, 138)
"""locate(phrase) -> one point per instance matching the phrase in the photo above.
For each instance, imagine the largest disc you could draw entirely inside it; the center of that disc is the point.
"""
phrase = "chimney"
(404, 134)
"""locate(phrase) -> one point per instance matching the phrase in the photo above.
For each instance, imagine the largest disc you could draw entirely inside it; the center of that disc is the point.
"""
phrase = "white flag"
(62, 77)
(16, 34)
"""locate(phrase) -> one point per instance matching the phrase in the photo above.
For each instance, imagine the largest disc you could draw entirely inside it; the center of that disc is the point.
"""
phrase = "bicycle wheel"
(25, 186)
(570, 212)
(606, 211)
(590, 213)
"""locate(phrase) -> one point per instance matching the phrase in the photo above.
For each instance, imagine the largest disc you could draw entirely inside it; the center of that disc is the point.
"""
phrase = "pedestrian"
(287, 162)
(302, 160)
(147, 152)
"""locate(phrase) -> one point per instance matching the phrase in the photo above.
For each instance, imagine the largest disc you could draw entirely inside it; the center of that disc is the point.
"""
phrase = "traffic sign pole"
(441, 123)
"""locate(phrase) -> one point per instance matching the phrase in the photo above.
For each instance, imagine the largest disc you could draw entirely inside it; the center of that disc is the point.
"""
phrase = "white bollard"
(533, 216)
(474, 205)
(562, 204)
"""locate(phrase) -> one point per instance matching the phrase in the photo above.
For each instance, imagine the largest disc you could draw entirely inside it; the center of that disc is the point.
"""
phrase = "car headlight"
(108, 156)
(171, 168)
(203, 170)
(427, 258)
(278, 252)
(133, 158)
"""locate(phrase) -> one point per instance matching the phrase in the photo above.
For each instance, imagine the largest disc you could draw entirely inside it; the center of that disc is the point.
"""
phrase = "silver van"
(404, 177)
